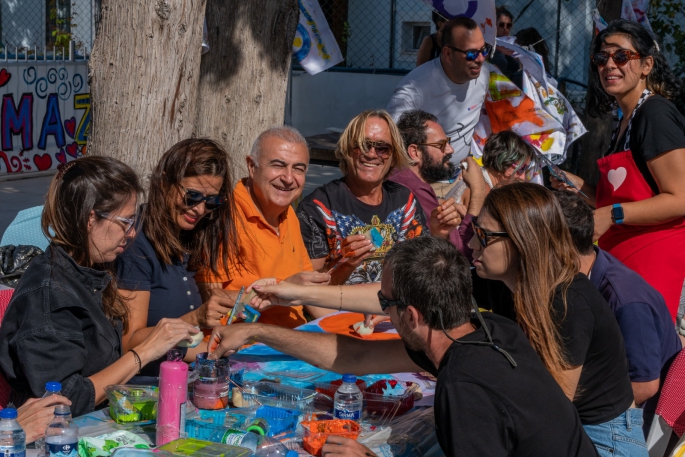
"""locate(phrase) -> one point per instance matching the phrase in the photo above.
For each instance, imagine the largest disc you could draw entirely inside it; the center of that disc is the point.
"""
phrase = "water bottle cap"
(8, 413)
(53, 386)
(62, 410)
(349, 378)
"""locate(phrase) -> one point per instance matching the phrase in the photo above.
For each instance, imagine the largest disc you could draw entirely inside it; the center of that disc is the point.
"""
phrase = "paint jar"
(210, 389)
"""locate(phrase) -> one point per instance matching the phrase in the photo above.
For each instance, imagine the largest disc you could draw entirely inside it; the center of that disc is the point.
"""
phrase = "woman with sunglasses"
(187, 225)
(522, 243)
(65, 320)
(640, 198)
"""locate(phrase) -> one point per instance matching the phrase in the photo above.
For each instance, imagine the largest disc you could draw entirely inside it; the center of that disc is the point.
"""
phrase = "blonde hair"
(354, 137)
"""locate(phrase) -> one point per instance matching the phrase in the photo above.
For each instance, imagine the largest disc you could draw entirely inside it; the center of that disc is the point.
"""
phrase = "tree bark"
(244, 76)
(596, 142)
(144, 78)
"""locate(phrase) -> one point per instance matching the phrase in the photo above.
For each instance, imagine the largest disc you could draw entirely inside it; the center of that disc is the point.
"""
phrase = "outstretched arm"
(328, 351)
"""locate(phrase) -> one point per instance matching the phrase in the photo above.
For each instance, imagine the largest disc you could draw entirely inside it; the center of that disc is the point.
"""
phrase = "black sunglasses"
(505, 25)
(387, 303)
(473, 54)
(483, 235)
(194, 198)
(620, 57)
(382, 149)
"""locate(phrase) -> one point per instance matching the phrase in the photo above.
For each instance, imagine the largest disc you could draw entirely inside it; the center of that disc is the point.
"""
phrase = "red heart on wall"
(4, 77)
(70, 126)
(43, 162)
(72, 150)
(61, 156)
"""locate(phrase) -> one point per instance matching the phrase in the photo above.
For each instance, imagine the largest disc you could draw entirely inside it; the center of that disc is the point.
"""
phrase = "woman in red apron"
(640, 198)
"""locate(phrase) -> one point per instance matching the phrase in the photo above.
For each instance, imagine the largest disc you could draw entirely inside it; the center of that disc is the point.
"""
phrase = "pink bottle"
(173, 393)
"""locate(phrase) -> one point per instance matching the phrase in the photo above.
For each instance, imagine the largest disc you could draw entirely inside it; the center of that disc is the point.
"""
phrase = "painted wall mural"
(44, 115)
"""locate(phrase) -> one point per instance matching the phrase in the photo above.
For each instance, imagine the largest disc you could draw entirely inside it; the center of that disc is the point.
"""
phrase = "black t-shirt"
(331, 213)
(486, 407)
(592, 339)
(657, 127)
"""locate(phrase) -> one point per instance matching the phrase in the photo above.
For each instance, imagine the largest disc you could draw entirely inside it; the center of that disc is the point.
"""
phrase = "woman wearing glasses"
(65, 320)
(640, 199)
(188, 218)
(521, 239)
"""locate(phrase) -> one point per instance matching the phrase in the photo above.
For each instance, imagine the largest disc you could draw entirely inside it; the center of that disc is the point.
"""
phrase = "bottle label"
(61, 450)
(9, 453)
(349, 414)
(233, 437)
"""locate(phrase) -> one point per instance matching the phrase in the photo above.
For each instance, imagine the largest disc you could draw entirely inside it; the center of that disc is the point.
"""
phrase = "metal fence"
(46, 29)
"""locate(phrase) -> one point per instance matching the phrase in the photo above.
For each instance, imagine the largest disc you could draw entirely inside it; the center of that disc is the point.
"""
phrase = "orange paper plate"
(342, 323)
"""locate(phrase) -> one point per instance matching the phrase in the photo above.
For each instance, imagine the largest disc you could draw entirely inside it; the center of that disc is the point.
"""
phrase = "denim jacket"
(56, 330)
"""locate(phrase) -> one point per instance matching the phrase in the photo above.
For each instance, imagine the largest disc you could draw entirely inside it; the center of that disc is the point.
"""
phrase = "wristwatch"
(617, 213)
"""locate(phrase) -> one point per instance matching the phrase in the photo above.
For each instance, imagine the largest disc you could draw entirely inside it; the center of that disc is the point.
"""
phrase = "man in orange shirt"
(268, 229)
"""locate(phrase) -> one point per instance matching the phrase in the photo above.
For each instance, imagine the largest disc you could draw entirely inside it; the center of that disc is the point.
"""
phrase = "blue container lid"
(349, 378)
(53, 386)
(292, 454)
(8, 413)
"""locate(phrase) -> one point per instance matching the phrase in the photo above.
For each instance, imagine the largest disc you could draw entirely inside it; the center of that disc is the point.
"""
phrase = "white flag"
(314, 45)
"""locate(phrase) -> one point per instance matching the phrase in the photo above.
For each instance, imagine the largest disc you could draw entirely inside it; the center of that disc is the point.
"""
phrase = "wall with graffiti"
(44, 115)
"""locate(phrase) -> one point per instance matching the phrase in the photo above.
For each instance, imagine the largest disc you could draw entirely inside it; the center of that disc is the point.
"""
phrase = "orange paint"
(504, 115)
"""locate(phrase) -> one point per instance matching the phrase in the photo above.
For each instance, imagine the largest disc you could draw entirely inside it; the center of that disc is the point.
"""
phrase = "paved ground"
(20, 194)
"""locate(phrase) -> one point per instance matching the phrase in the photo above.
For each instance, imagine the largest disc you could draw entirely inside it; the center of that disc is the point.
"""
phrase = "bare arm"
(424, 54)
(570, 379)
(328, 351)
(360, 298)
(643, 391)
(589, 190)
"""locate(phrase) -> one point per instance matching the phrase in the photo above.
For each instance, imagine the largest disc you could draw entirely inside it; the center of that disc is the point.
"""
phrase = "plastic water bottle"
(51, 388)
(61, 436)
(349, 400)
(261, 446)
(12, 436)
(269, 447)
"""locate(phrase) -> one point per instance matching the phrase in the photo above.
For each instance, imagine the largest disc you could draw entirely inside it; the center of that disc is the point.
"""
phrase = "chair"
(5, 389)
(670, 411)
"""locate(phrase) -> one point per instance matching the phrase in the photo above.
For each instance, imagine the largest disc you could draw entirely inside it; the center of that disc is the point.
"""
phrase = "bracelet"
(138, 361)
(340, 307)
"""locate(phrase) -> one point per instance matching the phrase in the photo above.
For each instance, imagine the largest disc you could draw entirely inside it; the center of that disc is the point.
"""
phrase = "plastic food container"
(132, 403)
(199, 448)
(210, 421)
(280, 420)
(316, 433)
(133, 452)
(278, 395)
(210, 390)
(382, 397)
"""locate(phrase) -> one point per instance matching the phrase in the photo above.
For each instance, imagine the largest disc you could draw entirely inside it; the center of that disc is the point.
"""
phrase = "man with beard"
(451, 87)
(493, 396)
(430, 151)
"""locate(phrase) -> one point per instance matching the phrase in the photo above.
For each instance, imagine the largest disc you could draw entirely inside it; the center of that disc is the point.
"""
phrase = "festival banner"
(314, 45)
(481, 11)
(600, 23)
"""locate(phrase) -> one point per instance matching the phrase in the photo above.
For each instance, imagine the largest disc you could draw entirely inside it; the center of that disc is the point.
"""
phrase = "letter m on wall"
(17, 121)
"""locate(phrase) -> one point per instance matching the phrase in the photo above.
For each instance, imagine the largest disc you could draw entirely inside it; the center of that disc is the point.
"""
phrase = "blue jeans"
(620, 437)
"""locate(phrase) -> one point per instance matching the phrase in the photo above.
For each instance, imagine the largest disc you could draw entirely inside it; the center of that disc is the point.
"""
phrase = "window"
(413, 34)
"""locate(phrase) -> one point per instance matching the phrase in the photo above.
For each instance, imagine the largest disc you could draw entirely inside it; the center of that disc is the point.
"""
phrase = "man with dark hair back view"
(647, 328)
(493, 395)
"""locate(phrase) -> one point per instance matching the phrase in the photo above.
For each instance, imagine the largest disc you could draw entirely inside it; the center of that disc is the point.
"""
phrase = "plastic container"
(61, 436)
(348, 400)
(382, 397)
(280, 396)
(316, 433)
(133, 452)
(280, 420)
(199, 448)
(173, 392)
(12, 436)
(210, 390)
(129, 403)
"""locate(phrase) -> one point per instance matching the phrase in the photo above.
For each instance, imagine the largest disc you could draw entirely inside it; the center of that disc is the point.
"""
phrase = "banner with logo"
(314, 45)
(481, 11)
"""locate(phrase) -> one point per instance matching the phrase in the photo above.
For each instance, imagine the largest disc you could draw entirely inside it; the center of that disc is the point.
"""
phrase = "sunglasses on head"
(128, 223)
(483, 235)
(523, 168)
(505, 25)
(382, 149)
(387, 303)
(473, 54)
(194, 198)
(442, 144)
(620, 57)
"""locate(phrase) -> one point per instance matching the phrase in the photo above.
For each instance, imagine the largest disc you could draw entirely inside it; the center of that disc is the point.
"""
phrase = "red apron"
(656, 252)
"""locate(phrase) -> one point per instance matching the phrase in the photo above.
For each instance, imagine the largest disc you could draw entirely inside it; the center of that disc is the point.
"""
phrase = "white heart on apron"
(617, 177)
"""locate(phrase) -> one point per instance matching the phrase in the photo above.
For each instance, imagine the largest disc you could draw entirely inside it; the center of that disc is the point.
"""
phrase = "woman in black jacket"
(65, 320)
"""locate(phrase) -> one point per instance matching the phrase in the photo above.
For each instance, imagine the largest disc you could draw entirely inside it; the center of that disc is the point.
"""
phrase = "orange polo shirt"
(265, 254)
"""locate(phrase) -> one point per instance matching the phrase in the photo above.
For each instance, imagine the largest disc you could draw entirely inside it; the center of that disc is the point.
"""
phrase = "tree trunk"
(144, 78)
(596, 142)
(243, 77)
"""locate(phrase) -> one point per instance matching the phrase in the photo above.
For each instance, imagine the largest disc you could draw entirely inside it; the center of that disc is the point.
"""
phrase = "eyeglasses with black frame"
(382, 149)
(472, 54)
(193, 198)
(483, 235)
(620, 57)
(128, 223)
(387, 302)
(505, 25)
(442, 144)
